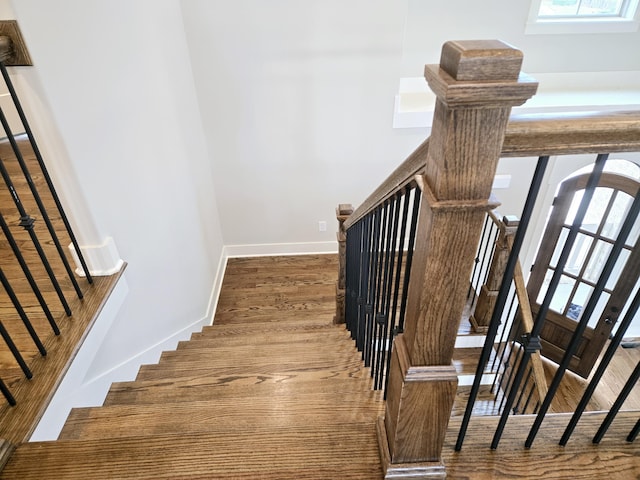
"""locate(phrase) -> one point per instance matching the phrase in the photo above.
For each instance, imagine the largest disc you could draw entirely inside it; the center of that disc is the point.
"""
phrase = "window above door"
(582, 16)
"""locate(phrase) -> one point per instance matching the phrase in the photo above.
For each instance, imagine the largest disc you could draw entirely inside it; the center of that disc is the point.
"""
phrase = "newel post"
(476, 83)
(342, 214)
(481, 315)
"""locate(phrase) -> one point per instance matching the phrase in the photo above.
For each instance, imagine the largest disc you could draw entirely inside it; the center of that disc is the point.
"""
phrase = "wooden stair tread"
(204, 388)
(33, 396)
(275, 372)
(305, 454)
(265, 338)
(223, 415)
(298, 352)
(613, 458)
(259, 328)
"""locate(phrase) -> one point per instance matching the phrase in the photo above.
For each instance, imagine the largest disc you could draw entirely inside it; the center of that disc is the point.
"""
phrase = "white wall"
(115, 79)
(297, 102)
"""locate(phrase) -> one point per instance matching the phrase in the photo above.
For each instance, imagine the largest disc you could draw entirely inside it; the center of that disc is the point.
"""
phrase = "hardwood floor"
(273, 390)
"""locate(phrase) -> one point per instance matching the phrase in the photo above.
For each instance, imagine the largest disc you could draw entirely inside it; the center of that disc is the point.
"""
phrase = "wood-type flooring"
(274, 390)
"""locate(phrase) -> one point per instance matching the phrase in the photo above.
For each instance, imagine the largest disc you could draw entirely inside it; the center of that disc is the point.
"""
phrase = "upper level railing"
(446, 183)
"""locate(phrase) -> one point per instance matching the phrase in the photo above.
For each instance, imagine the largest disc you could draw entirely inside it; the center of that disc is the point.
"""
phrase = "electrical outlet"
(322, 226)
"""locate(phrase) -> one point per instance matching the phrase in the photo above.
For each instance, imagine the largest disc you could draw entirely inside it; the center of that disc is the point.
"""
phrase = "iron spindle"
(379, 288)
(633, 434)
(26, 221)
(476, 261)
(372, 288)
(417, 193)
(503, 293)
(396, 289)
(606, 423)
(388, 281)
(38, 200)
(22, 313)
(14, 351)
(364, 281)
(7, 394)
(602, 367)
(595, 295)
(504, 334)
(43, 168)
(27, 273)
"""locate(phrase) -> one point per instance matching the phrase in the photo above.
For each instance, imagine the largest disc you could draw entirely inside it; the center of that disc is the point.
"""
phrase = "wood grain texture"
(266, 396)
(613, 459)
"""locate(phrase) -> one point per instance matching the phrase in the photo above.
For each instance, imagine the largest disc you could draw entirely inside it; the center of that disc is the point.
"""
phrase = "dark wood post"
(342, 214)
(476, 83)
(489, 291)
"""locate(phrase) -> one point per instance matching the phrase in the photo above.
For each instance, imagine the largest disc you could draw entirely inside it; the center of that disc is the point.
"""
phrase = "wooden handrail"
(572, 133)
(400, 178)
(530, 135)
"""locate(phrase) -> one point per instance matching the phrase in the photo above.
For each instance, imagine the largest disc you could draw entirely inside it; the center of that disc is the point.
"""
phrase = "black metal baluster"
(633, 434)
(14, 351)
(7, 394)
(516, 408)
(374, 284)
(503, 293)
(352, 267)
(378, 309)
(488, 258)
(38, 200)
(606, 423)
(595, 295)
(45, 172)
(514, 365)
(26, 221)
(602, 367)
(404, 197)
(478, 256)
(394, 213)
(27, 273)
(363, 280)
(412, 241)
(22, 313)
(503, 336)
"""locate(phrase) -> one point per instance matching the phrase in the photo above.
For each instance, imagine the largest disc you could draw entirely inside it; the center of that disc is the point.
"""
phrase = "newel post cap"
(477, 73)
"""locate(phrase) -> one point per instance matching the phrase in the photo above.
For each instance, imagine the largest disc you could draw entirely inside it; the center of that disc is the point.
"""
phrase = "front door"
(606, 214)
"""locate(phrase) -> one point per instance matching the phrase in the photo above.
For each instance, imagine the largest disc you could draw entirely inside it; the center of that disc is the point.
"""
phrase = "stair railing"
(476, 85)
(51, 270)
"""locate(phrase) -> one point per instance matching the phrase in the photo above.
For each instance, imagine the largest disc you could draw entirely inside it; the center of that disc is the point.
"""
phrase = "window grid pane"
(581, 8)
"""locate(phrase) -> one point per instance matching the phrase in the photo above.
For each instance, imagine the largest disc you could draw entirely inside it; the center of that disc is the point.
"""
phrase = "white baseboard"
(77, 389)
(272, 249)
(101, 259)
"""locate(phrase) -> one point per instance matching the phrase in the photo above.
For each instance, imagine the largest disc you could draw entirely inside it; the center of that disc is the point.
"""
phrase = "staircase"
(272, 390)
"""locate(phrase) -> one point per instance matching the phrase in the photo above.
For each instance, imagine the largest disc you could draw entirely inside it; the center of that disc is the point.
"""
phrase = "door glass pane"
(561, 295)
(579, 301)
(578, 254)
(617, 270)
(597, 261)
(596, 209)
(559, 246)
(617, 215)
(599, 310)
